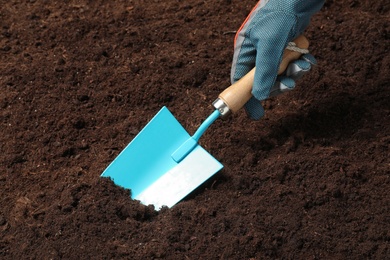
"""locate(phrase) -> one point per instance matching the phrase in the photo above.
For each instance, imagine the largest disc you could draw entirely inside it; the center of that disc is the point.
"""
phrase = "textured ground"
(79, 79)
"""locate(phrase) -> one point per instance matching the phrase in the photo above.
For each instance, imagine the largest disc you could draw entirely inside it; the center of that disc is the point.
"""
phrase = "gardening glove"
(261, 41)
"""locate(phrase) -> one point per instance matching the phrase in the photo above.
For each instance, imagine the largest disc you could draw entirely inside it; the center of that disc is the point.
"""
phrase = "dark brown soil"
(79, 79)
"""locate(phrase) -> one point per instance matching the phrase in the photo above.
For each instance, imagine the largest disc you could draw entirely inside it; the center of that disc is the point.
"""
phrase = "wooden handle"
(240, 92)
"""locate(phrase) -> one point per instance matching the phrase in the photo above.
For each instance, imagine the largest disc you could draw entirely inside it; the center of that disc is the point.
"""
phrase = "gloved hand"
(261, 42)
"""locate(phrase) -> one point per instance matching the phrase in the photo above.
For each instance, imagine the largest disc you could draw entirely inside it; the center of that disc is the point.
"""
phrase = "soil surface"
(80, 79)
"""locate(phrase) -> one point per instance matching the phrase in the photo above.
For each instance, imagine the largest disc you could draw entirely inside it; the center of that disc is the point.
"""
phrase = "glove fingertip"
(309, 58)
(303, 64)
(297, 69)
(254, 109)
(286, 83)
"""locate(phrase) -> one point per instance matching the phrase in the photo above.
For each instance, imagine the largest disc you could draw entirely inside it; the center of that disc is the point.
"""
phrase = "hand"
(261, 42)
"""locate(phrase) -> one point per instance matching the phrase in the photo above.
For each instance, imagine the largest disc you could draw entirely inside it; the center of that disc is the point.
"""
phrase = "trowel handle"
(234, 97)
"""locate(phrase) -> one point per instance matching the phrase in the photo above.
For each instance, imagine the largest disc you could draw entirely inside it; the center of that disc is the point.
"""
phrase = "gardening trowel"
(163, 163)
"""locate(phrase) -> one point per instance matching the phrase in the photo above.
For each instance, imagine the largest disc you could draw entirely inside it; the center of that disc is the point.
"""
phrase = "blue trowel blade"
(147, 168)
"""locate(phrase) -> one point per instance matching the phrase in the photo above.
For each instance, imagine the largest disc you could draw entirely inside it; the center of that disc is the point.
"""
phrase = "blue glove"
(261, 42)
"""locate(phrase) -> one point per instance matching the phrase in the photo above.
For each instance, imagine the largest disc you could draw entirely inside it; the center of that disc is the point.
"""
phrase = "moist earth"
(80, 79)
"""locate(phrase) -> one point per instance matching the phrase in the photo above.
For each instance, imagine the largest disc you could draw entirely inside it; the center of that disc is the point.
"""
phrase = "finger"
(286, 83)
(244, 59)
(254, 108)
(309, 58)
(273, 34)
(282, 84)
(297, 69)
